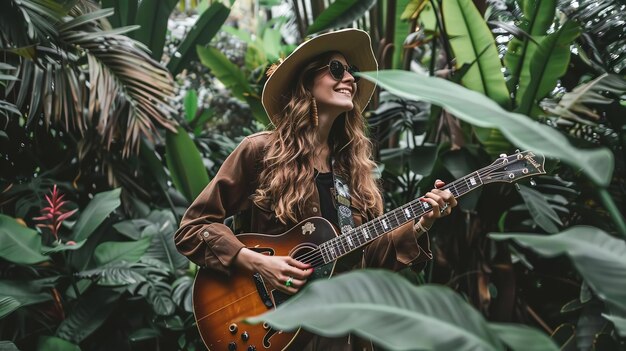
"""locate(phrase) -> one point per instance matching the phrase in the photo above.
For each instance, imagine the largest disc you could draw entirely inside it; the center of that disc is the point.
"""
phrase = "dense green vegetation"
(110, 125)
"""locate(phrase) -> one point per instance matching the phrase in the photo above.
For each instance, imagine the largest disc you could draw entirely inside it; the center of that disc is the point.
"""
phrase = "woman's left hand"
(442, 202)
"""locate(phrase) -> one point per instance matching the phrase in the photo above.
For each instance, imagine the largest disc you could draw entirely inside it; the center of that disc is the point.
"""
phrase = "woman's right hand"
(275, 270)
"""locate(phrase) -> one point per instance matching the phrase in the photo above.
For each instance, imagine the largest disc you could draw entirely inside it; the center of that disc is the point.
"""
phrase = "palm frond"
(85, 75)
(602, 90)
(604, 22)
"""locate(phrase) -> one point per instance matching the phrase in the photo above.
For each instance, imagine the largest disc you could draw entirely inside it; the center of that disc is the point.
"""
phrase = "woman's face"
(331, 95)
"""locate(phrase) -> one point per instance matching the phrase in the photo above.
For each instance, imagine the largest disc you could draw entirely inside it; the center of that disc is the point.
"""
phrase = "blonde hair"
(287, 179)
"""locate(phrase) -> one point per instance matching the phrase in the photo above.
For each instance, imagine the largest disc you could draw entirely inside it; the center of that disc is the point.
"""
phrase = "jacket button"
(315, 209)
(206, 234)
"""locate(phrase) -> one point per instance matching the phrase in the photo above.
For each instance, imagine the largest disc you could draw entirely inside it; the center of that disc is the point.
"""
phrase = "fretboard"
(364, 234)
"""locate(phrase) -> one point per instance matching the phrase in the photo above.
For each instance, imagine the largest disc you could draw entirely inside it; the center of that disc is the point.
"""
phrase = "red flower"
(53, 215)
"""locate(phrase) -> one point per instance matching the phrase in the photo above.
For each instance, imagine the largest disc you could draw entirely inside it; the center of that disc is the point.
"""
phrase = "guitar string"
(342, 241)
(314, 257)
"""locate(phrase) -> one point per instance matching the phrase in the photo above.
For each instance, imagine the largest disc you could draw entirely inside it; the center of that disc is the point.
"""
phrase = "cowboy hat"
(354, 44)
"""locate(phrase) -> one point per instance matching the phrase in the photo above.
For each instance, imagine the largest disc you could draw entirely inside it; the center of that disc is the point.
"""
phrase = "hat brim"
(354, 44)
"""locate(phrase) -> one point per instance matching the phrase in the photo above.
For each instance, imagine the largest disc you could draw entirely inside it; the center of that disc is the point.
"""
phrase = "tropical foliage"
(111, 125)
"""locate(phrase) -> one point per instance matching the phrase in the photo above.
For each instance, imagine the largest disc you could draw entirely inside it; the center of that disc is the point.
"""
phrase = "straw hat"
(354, 44)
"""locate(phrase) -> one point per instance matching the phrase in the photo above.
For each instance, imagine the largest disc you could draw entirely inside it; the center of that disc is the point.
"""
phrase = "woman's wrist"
(246, 259)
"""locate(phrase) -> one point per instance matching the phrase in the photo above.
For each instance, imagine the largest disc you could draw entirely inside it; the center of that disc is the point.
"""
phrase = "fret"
(384, 223)
(341, 247)
(357, 238)
(324, 251)
(454, 190)
(366, 235)
(407, 213)
(349, 240)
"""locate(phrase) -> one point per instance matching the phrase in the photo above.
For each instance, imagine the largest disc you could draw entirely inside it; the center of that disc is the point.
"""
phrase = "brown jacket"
(207, 241)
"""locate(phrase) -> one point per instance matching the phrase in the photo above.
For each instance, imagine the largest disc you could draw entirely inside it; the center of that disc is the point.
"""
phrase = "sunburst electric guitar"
(221, 303)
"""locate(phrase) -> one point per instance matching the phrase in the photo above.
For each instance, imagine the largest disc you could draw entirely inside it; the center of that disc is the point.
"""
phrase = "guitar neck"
(412, 211)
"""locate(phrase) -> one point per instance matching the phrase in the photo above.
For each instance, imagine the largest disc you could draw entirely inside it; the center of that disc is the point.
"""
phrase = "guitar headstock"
(513, 167)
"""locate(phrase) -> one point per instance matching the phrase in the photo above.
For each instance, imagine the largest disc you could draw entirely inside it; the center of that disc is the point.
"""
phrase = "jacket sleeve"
(399, 249)
(202, 235)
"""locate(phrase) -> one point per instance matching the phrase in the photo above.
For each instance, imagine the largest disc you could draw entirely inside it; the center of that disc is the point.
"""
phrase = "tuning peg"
(517, 151)
(503, 155)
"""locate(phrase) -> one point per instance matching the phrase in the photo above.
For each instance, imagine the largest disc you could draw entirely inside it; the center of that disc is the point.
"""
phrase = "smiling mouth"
(345, 92)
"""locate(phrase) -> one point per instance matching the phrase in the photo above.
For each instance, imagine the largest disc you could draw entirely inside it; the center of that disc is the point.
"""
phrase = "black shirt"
(324, 183)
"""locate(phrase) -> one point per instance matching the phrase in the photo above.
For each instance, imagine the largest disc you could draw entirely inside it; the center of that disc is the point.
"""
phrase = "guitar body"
(221, 303)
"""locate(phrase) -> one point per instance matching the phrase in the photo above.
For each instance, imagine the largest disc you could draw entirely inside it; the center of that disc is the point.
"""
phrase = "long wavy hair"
(287, 179)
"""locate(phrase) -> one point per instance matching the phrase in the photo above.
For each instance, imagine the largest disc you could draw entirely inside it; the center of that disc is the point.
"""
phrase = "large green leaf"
(205, 28)
(548, 62)
(543, 214)
(95, 213)
(619, 323)
(538, 16)
(8, 304)
(116, 274)
(152, 16)
(401, 30)
(114, 251)
(125, 12)
(19, 244)
(340, 13)
(161, 231)
(476, 109)
(474, 44)
(8, 346)
(386, 308)
(519, 337)
(599, 257)
(63, 247)
(25, 292)
(52, 343)
(233, 78)
(185, 164)
(91, 311)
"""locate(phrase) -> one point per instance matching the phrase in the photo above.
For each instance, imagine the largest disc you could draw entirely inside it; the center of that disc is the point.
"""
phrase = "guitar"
(221, 303)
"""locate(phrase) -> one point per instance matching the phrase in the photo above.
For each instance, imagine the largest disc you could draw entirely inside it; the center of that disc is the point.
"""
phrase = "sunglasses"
(338, 69)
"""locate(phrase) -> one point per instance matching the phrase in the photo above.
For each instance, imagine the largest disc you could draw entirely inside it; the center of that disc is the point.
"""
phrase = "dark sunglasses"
(338, 69)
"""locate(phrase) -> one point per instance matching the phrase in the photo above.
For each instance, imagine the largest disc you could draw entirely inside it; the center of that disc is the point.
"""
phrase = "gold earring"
(314, 116)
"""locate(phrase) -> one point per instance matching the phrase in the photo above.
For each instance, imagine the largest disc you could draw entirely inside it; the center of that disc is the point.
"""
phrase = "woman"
(284, 176)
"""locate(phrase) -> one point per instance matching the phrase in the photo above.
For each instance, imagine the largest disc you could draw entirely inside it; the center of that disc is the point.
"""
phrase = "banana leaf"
(233, 78)
(340, 13)
(205, 28)
(598, 257)
(98, 209)
(548, 62)
(20, 244)
(538, 16)
(473, 43)
(476, 109)
(114, 251)
(386, 308)
(185, 164)
(152, 16)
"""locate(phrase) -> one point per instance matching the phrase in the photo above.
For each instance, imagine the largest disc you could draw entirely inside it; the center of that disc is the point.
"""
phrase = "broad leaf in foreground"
(478, 110)
(386, 308)
(599, 257)
(19, 244)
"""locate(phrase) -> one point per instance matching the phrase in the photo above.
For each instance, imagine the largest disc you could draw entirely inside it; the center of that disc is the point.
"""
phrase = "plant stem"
(613, 211)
